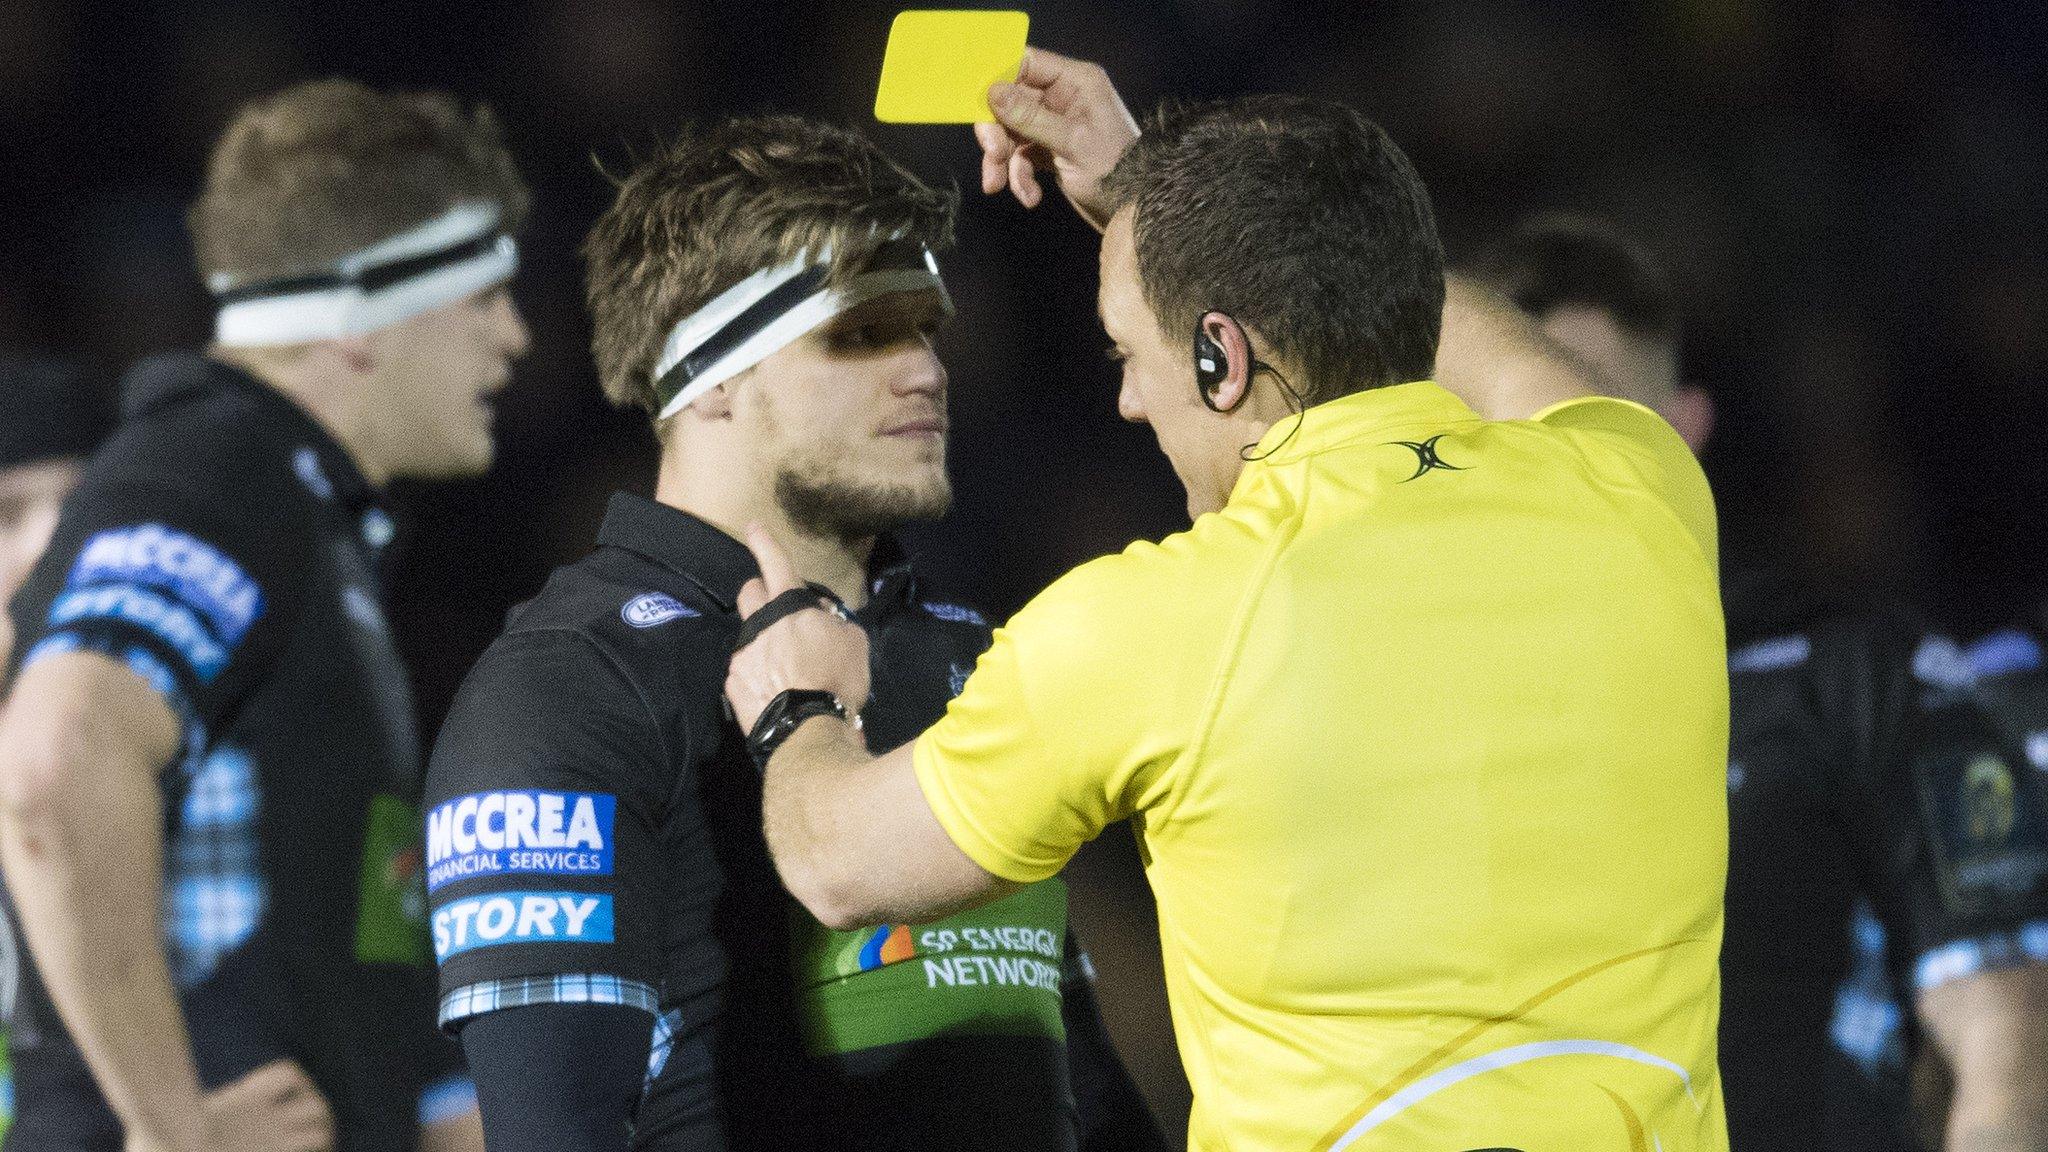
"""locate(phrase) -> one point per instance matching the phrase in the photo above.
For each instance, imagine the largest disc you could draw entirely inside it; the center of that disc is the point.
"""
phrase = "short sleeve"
(545, 800)
(1656, 454)
(195, 598)
(1974, 887)
(1068, 723)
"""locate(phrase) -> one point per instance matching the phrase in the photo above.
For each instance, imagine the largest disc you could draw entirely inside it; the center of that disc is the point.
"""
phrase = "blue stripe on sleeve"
(142, 607)
(447, 1100)
(1993, 952)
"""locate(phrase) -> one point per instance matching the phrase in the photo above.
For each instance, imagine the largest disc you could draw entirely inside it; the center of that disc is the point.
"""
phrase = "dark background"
(1849, 194)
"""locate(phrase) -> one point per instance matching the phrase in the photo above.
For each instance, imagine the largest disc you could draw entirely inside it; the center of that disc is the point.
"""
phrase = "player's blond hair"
(711, 208)
(309, 174)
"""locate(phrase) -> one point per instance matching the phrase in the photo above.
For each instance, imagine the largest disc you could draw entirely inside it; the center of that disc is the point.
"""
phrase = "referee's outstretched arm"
(82, 741)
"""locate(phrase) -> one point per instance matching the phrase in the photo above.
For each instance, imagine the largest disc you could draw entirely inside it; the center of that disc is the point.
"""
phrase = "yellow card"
(939, 65)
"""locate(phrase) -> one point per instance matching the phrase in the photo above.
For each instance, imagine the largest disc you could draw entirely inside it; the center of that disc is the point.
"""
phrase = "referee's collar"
(1375, 411)
(715, 562)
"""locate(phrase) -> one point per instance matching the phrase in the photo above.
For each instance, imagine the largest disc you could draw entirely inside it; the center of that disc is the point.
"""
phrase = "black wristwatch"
(785, 714)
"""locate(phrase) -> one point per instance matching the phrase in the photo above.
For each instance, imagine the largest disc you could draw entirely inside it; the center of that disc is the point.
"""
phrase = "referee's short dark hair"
(1300, 218)
(1558, 260)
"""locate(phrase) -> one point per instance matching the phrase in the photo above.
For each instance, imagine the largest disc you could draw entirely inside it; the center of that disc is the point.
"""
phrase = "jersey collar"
(160, 383)
(715, 562)
(1373, 412)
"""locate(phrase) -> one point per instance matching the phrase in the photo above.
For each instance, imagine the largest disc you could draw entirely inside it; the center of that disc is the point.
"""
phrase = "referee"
(616, 954)
(1872, 765)
(1424, 720)
(209, 757)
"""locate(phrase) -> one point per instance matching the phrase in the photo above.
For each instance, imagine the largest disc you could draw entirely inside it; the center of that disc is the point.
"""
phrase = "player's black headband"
(769, 310)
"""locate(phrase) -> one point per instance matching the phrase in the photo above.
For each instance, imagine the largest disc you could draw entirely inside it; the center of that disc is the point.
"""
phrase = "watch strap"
(784, 715)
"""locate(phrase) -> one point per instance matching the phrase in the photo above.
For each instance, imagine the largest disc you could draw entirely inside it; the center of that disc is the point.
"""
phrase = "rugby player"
(1424, 720)
(1866, 763)
(208, 759)
(622, 965)
(53, 422)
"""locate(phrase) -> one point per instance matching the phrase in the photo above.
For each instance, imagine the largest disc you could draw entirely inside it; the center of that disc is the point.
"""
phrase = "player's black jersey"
(594, 838)
(1868, 762)
(225, 548)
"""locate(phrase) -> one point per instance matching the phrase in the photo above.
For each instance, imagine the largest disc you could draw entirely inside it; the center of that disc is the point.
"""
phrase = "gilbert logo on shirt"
(532, 832)
(1426, 460)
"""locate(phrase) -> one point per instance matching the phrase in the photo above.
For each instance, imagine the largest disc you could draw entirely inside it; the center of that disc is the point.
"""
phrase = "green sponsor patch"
(391, 908)
(994, 971)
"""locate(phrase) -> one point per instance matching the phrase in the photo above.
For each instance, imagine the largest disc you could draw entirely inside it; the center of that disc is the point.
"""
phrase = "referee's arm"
(852, 834)
(854, 837)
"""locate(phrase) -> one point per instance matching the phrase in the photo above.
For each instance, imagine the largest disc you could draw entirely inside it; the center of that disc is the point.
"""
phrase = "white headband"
(768, 311)
(443, 260)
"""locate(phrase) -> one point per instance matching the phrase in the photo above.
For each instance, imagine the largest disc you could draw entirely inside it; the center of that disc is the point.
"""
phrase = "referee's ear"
(1224, 332)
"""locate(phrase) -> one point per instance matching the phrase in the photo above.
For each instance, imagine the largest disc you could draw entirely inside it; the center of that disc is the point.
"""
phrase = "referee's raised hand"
(1063, 114)
(810, 647)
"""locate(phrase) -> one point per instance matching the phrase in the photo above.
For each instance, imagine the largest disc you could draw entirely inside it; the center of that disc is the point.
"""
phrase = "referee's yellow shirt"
(1426, 735)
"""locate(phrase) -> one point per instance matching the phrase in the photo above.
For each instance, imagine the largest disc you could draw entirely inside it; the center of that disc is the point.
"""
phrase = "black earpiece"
(1212, 365)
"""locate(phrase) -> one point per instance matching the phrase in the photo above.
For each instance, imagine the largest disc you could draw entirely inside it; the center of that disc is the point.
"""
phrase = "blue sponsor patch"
(146, 608)
(522, 918)
(530, 832)
(189, 569)
(655, 608)
(1774, 655)
(957, 613)
(2004, 653)
(1940, 663)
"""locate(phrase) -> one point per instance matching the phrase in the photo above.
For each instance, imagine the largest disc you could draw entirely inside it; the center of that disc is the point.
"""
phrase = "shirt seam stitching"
(985, 842)
(1302, 454)
(1234, 637)
(618, 666)
(1583, 465)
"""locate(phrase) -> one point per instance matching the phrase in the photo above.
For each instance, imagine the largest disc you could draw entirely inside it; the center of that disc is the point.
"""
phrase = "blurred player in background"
(50, 422)
(621, 963)
(1866, 764)
(1423, 720)
(209, 757)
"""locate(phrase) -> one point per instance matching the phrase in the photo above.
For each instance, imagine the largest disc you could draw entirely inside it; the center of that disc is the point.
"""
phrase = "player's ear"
(713, 405)
(1691, 412)
(358, 354)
